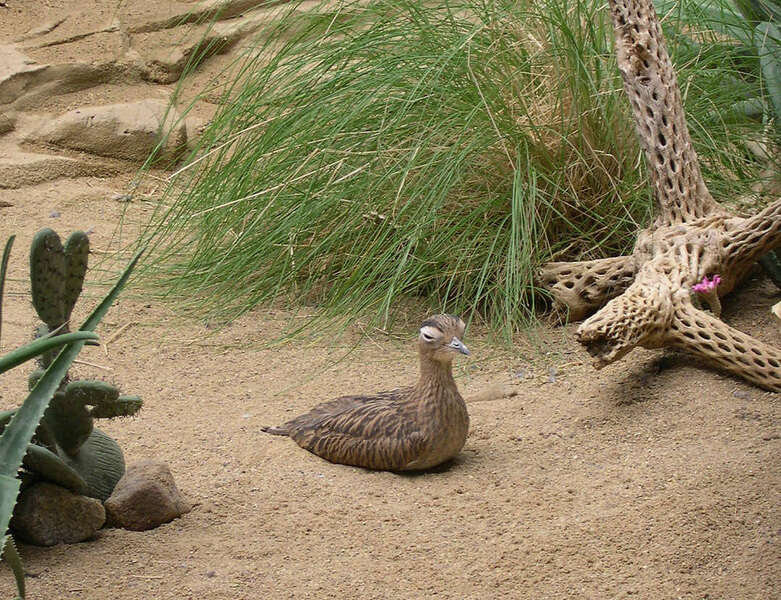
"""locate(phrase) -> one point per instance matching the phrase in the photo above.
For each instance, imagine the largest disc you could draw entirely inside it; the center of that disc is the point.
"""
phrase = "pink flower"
(707, 286)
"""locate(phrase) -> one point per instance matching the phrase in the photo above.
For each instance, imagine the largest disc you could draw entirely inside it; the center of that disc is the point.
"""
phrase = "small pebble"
(211, 573)
(55, 214)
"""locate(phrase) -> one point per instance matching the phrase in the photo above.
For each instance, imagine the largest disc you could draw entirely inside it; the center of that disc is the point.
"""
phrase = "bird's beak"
(458, 346)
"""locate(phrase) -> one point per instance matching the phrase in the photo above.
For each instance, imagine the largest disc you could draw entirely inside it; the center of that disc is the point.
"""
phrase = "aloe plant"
(22, 422)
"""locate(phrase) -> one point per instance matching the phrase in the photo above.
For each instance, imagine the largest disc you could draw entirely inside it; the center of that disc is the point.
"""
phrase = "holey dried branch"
(647, 299)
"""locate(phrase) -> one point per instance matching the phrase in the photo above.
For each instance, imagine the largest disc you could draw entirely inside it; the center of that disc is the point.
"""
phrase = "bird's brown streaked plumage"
(411, 428)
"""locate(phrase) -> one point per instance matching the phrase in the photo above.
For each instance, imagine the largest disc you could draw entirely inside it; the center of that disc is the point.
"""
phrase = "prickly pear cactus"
(68, 449)
(57, 275)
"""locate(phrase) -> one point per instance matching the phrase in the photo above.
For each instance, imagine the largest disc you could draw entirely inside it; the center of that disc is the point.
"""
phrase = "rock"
(17, 71)
(166, 62)
(67, 78)
(494, 392)
(20, 169)
(145, 497)
(25, 82)
(7, 123)
(166, 56)
(47, 514)
(202, 12)
(47, 27)
(128, 131)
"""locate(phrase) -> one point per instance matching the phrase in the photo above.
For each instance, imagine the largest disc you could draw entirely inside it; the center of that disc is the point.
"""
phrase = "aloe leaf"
(3, 268)
(5, 416)
(19, 432)
(102, 308)
(52, 468)
(721, 17)
(9, 490)
(11, 556)
(768, 42)
(39, 346)
(751, 108)
(752, 10)
(759, 10)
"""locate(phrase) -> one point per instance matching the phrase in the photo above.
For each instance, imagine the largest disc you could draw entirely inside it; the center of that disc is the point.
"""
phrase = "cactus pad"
(69, 421)
(124, 406)
(100, 462)
(32, 378)
(47, 274)
(76, 255)
(50, 466)
(91, 393)
(57, 274)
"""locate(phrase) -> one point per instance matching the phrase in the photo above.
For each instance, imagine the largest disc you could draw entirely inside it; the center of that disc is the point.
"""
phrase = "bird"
(412, 428)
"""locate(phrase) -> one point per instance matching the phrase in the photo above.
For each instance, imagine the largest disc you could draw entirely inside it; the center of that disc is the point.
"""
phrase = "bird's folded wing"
(370, 431)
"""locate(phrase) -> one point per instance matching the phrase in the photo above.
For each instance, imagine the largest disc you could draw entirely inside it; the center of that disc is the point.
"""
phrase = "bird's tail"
(275, 430)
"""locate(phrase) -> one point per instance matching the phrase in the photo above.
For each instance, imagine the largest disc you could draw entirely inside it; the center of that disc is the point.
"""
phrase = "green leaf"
(51, 467)
(9, 490)
(759, 10)
(11, 556)
(3, 268)
(768, 41)
(39, 346)
(717, 16)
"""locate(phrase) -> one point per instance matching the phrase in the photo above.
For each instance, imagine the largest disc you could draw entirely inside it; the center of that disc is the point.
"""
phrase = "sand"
(653, 478)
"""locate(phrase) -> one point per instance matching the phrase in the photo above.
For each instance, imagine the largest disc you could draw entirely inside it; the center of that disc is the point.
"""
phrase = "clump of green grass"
(372, 151)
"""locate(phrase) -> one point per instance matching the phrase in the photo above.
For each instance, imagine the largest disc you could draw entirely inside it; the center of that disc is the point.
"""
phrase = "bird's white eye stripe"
(430, 333)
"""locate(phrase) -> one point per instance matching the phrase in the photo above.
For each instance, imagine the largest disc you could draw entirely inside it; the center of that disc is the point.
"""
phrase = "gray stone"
(47, 514)
(145, 497)
(127, 131)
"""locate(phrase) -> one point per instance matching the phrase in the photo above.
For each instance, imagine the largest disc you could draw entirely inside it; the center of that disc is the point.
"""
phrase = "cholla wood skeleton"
(646, 298)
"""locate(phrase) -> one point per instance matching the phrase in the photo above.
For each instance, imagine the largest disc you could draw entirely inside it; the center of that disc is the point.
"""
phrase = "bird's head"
(440, 338)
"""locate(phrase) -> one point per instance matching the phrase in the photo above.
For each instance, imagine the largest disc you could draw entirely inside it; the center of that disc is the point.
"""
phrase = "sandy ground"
(653, 478)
